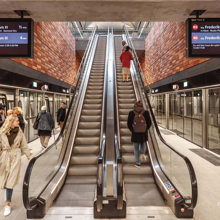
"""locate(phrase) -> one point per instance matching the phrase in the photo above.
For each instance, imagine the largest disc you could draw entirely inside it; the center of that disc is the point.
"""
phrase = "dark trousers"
(8, 194)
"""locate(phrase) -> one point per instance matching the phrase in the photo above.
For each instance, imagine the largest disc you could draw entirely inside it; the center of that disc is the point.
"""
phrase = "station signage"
(203, 37)
(16, 37)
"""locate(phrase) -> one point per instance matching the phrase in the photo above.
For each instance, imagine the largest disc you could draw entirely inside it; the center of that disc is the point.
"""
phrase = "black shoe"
(137, 165)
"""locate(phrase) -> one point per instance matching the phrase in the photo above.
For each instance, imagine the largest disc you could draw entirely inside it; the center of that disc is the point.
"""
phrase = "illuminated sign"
(35, 84)
(203, 37)
(175, 87)
(16, 37)
(185, 84)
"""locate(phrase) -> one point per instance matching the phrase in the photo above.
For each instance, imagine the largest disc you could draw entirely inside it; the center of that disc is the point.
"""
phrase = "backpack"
(139, 123)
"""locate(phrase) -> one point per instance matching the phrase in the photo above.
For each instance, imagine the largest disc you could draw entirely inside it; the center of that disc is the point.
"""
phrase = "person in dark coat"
(45, 126)
(18, 112)
(139, 139)
(61, 114)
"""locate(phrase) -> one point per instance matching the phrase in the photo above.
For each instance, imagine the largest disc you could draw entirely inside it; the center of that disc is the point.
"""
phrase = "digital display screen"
(17, 38)
(203, 37)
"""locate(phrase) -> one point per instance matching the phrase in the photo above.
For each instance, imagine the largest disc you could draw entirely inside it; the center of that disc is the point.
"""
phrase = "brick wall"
(54, 51)
(165, 52)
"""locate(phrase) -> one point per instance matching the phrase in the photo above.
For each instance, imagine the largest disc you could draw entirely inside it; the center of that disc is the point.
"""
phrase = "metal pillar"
(16, 97)
(167, 110)
(205, 103)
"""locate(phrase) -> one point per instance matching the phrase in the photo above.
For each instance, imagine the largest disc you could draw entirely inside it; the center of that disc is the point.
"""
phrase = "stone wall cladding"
(165, 51)
(54, 51)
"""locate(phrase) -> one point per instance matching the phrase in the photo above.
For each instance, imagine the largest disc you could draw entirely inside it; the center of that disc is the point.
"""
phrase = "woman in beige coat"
(12, 141)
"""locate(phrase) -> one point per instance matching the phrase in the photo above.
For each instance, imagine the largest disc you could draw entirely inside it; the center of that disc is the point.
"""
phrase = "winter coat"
(46, 122)
(21, 122)
(61, 114)
(126, 58)
(138, 137)
(10, 159)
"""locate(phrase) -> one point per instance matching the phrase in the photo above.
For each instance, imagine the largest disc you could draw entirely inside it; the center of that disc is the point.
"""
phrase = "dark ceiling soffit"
(201, 68)
(18, 68)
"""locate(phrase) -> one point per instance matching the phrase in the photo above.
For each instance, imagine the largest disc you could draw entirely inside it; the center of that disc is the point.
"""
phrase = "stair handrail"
(191, 170)
(103, 131)
(29, 169)
(117, 135)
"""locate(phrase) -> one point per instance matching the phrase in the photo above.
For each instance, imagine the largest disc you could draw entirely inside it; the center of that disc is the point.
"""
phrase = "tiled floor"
(18, 210)
(208, 176)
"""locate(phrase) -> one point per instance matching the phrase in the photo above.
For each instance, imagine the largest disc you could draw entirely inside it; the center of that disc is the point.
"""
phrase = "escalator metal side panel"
(52, 190)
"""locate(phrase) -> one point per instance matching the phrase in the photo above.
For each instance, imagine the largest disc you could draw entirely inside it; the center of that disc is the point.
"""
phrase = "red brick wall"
(165, 52)
(54, 51)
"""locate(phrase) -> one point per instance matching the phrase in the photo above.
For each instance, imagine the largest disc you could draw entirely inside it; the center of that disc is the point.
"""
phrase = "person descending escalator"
(138, 123)
(2, 114)
(126, 58)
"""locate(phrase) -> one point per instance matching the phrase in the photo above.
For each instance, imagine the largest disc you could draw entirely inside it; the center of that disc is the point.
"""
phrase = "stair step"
(92, 106)
(126, 106)
(124, 91)
(126, 139)
(87, 141)
(91, 112)
(124, 111)
(126, 101)
(123, 124)
(84, 159)
(130, 158)
(95, 83)
(93, 91)
(88, 132)
(88, 118)
(139, 179)
(125, 87)
(86, 149)
(81, 180)
(89, 125)
(82, 170)
(127, 148)
(95, 87)
(125, 131)
(123, 117)
(126, 96)
(130, 169)
(92, 101)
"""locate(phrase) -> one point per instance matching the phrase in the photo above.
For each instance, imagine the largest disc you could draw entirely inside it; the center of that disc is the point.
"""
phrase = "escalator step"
(87, 140)
(138, 179)
(86, 149)
(88, 132)
(84, 159)
(130, 169)
(82, 170)
(81, 180)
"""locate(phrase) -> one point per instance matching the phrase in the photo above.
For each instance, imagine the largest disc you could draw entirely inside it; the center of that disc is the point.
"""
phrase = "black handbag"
(35, 126)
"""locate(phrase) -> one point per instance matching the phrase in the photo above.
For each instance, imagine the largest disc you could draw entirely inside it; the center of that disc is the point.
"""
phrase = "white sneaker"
(43, 148)
(7, 210)
(143, 157)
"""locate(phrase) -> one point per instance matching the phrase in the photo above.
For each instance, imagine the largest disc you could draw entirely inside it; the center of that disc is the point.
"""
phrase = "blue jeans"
(137, 152)
(8, 194)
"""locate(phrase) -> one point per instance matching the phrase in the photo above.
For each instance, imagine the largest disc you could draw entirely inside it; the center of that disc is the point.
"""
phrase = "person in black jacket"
(61, 114)
(139, 139)
(45, 126)
(18, 112)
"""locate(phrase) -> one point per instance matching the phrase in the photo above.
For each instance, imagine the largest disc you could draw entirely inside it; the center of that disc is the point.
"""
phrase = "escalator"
(137, 181)
(166, 181)
(65, 174)
(82, 173)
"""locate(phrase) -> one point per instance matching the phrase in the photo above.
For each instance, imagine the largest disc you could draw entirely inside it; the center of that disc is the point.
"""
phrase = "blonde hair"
(17, 110)
(6, 127)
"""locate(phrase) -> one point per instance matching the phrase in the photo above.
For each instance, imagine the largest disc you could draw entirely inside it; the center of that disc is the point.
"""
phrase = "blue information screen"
(15, 39)
(203, 37)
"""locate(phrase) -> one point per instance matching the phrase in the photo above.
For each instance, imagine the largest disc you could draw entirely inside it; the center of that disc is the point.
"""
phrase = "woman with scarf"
(139, 138)
(12, 141)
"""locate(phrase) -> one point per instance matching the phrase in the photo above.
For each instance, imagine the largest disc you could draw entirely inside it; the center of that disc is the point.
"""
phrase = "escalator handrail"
(29, 169)
(116, 112)
(104, 107)
(186, 159)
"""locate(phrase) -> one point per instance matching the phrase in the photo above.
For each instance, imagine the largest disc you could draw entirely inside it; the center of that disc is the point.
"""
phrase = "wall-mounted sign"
(35, 84)
(203, 37)
(16, 37)
(185, 84)
(175, 87)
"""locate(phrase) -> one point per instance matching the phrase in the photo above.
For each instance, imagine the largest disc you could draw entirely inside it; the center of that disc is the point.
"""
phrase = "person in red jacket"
(126, 58)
